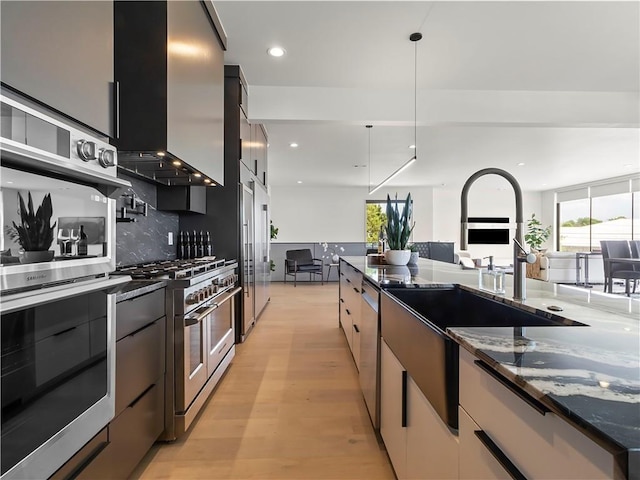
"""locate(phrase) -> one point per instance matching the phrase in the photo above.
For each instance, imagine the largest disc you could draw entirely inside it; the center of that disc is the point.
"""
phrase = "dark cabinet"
(169, 63)
(61, 54)
(259, 152)
(183, 199)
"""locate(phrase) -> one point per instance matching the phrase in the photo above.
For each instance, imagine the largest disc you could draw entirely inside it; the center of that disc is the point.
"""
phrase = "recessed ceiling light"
(521, 164)
(197, 175)
(293, 145)
(206, 180)
(161, 154)
(299, 181)
(177, 163)
(412, 147)
(276, 51)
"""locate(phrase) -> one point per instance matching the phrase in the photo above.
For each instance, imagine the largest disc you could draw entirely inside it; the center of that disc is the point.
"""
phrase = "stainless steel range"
(200, 303)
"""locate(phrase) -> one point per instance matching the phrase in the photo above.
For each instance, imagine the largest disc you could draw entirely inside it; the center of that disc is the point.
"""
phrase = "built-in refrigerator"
(247, 258)
(262, 237)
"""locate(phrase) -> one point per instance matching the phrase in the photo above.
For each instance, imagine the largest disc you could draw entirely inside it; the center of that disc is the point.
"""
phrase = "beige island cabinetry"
(539, 401)
(509, 435)
(350, 306)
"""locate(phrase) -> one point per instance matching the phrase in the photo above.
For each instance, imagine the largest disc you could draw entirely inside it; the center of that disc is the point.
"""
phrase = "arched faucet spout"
(519, 272)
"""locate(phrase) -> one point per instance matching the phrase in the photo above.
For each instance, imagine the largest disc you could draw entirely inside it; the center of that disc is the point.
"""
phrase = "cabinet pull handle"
(356, 290)
(116, 106)
(240, 154)
(348, 281)
(139, 397)
(347, 310)
(532, 402)
(342, 300)
(149, 325)
(355, 327)
(404, 398)
(64, 331)
(223, 347)
(499, 455)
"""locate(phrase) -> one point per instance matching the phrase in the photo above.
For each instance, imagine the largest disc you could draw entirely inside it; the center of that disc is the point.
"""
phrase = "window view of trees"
(585, 222)
(375, 219)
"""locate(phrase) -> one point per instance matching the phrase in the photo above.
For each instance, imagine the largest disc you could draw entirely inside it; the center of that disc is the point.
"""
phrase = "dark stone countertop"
(590, 375)
(136, 288)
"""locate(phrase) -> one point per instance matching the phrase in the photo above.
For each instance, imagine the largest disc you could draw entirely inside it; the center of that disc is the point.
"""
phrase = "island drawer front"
(133, 314)
(539, 445)
(139, 362)
(476, 461)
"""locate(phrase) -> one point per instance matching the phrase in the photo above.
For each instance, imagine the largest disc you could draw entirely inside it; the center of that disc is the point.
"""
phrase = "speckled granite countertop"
(589, 375)
(135, 288)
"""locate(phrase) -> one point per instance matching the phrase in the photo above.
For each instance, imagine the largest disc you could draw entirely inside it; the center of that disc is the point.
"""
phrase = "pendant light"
(414, 37)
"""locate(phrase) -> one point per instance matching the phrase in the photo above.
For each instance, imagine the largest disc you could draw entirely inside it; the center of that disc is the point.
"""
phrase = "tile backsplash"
(146, 239)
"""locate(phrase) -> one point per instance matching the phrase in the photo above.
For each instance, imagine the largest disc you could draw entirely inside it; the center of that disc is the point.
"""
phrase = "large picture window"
(606, 212)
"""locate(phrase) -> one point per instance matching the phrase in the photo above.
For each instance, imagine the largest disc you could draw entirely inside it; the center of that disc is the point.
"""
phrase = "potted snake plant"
(35, 232)
(398, 228)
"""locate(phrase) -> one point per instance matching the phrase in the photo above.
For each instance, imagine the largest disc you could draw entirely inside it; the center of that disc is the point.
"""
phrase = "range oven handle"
(229, 295)
(201, 313)
(20, 301)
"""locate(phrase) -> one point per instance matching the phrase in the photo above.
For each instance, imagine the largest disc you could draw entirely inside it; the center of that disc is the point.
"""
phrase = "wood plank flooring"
(290, 406)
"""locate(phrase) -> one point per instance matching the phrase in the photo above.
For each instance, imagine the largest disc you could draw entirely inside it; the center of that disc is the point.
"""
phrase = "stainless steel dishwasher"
(370, 351)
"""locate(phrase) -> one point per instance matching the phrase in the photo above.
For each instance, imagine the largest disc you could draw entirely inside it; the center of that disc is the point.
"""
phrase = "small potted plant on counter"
(35, 233)
(413, 248)
(536, 235)
(398, 230)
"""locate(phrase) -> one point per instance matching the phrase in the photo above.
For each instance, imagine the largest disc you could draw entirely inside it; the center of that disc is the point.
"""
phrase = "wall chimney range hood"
(169, 70)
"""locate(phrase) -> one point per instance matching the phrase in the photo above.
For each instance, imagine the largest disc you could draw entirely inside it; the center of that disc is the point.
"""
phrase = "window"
(603, 212)
(376, 217)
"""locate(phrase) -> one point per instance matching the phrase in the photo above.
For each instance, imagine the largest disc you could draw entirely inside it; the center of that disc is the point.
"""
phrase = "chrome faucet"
(520, 256)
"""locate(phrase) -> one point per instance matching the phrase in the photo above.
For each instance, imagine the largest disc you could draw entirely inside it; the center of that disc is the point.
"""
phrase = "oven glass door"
(220, 335)
(57, 375)
(194, 362)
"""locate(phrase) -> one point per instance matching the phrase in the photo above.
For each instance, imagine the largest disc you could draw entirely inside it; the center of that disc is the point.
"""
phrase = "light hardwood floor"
(289, 407)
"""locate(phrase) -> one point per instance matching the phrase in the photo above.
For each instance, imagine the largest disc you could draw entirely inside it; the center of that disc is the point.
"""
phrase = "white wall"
(336, 214)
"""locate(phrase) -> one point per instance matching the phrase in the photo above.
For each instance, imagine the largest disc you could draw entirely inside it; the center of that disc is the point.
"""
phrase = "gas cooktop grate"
(172, 269)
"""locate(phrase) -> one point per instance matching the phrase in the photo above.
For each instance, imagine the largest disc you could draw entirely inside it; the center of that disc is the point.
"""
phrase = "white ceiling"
(555, 85)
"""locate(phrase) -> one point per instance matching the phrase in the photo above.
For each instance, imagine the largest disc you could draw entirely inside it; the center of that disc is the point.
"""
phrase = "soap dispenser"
(491, 279)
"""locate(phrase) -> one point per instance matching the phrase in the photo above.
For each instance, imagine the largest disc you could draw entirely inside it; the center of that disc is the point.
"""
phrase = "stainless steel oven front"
(57, 217)
(58, 374)
(57, 249)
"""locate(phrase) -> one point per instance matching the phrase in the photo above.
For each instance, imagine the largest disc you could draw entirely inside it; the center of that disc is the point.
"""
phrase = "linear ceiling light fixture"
(415, 38)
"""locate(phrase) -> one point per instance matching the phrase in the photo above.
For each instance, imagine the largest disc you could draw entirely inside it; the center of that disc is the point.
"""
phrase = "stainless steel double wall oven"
(57, 307)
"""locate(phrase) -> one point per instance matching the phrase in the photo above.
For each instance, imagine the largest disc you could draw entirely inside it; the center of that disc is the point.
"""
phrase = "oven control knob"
(192, 299)
(106, 157)
(86, 150)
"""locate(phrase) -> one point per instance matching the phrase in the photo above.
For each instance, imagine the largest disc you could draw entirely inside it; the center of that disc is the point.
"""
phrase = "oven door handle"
(201, 314)
(22, 300)
(229, 295)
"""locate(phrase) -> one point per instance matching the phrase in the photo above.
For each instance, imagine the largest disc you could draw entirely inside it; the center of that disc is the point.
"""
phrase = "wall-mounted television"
(488, 231)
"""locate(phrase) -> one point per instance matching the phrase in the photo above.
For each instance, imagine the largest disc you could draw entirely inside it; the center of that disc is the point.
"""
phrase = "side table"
(330, 265)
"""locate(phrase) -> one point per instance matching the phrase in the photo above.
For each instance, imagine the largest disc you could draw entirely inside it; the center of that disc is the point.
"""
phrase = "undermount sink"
(455, 307)
(414, 323)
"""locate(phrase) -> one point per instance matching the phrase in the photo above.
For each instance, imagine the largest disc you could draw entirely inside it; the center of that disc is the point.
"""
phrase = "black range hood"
(169, 69)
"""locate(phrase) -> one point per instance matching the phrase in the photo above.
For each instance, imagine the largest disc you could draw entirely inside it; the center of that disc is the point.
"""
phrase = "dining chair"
(618, 249)
(301, 261)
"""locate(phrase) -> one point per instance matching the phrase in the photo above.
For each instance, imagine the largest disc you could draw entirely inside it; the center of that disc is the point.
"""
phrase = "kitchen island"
(588, 376)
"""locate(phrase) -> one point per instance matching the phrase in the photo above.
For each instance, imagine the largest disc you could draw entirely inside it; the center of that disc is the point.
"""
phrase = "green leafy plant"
(398, 226)
(272, 266)
(413, 247)
(274, 230)
(536, 234)
(35, 232)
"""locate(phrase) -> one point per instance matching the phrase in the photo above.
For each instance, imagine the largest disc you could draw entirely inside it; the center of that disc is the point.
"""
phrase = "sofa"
(560, 267)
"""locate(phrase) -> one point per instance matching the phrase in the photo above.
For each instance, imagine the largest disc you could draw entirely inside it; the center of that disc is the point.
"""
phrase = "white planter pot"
(397, 257)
